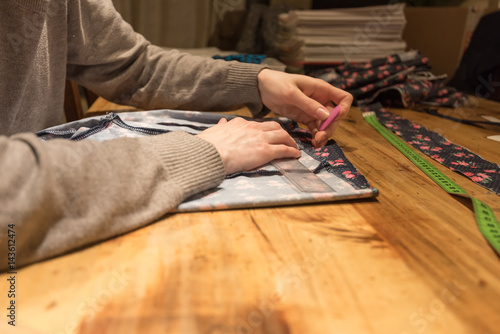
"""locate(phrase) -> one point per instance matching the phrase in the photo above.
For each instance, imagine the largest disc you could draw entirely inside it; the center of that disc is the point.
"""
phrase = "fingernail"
(333, 114)
(322, 113)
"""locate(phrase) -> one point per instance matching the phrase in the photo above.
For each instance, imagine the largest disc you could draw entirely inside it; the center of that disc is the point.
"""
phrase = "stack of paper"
(341, 35)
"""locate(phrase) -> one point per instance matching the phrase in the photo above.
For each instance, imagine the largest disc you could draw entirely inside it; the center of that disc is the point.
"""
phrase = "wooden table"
(410, 261)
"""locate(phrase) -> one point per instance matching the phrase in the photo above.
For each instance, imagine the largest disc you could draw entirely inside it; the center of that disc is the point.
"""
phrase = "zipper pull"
(109, 116)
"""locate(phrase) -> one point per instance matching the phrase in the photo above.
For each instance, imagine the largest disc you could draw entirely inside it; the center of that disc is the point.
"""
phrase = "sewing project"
(434, 145)
(261, 187)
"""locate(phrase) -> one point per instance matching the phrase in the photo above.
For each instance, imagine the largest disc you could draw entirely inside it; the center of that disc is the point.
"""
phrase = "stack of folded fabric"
(399, 80)
(340, 35)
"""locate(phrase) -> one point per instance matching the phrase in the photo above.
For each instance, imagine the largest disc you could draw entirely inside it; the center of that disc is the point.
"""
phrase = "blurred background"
(191, 23)
(440, 30)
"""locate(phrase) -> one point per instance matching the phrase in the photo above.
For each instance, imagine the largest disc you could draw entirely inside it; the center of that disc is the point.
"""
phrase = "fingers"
(340, 97)
(269, 125)
(301, 98)
(310, 106)
(245, 145)
(284, 151)
(279, 137)
(321, 136)
(320, 139)
(313, 98)
(274, 134)
(317, 94)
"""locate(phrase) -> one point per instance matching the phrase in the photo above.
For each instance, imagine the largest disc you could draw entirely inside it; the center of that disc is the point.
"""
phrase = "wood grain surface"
(409, 261)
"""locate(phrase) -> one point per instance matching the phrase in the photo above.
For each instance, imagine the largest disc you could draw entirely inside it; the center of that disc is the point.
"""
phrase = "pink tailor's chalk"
(333, 114)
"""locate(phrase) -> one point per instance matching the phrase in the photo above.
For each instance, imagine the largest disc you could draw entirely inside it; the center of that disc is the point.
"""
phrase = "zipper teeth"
(192, 126)
(58, 133)
(257, 172)
(103, 123)
(118, 121)
(91, 132)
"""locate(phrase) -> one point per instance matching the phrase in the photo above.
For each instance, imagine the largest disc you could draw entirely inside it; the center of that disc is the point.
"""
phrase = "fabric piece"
(330, 157)
(453, 156)
(243, 58)
(264, 186)
(399, 80)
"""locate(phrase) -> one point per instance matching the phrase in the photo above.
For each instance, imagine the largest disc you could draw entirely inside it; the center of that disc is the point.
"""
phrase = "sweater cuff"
(242, 80)
(192, 163)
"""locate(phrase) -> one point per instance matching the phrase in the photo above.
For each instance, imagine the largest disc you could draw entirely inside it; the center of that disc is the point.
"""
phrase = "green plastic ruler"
(485, 218)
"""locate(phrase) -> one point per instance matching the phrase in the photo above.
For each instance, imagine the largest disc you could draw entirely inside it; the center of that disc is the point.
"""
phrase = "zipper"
(103, 123)
(118, 121)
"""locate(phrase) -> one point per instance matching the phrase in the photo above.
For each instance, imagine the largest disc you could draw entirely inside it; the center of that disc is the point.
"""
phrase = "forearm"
(108, 57)
(63, 195)
(170, 79)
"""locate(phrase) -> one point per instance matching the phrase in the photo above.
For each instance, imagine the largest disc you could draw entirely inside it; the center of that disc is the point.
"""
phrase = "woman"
(123, 184)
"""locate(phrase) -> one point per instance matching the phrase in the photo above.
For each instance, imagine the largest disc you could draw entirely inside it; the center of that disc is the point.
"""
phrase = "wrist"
(262, 77)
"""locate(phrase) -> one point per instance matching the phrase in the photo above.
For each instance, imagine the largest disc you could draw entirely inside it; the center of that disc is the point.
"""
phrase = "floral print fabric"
(330, 157)
(399, 80)
(453, 156)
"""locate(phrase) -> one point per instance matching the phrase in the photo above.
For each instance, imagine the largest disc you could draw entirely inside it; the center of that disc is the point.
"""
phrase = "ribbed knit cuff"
(192, 163)
(242, 80)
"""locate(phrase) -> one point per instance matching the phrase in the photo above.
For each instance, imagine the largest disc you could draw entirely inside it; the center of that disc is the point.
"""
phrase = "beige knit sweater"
(62, 195)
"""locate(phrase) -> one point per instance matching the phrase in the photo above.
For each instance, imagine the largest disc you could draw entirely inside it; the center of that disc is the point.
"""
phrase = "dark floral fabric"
(453, 156)
(399, 80)
(330, 157)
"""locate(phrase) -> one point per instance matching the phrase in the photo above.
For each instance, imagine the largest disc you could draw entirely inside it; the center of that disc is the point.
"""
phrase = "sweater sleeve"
(63, 195)
(108, 57)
